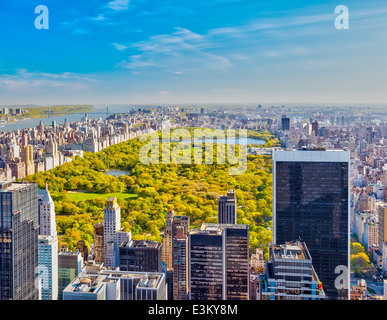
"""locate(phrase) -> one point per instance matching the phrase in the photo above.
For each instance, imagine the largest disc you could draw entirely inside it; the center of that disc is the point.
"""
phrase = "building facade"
(167, 239)
(180, 264)
(98, 283)
(219, 262)
(98, 243)
(48, 246)
(19, 231)
(290, 274)
(112, 224)
(227, 208)
(140, 256)
(311, 203)
(48, 267)
(69, 266)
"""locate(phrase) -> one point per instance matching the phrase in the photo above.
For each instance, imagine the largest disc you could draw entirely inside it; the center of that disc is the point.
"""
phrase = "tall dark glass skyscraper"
(311, 204)
(219, 262)
(19, 232)
(285, 123)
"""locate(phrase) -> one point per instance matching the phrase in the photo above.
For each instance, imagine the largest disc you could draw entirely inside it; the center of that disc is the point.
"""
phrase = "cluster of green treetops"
(151, 189)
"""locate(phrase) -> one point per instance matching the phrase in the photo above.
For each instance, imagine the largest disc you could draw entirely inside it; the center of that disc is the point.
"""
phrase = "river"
(99, 112)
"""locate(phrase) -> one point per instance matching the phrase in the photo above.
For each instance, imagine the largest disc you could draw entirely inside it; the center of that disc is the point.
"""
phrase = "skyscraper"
(382, 233)
(46, 211)
(28, 159)
(98, 243)
(285, 123)
(311, 203)
(290, 274)
(111, 226)
(112, 257)
(171, 223)
(167, 239)
(180, 264)
(83, 249)
(227, 208)
(140, 256)
(48, 267)
(48, 246)
(315, 128)
(219, 262)
(19, 241)
(69, 266)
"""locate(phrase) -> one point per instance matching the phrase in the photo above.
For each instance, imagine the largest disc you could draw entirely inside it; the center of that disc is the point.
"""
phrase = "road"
(376, 285)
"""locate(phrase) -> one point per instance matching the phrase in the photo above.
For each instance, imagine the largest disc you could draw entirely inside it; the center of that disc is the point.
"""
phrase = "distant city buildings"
(311, 220)
(29, 151)
(285, 123)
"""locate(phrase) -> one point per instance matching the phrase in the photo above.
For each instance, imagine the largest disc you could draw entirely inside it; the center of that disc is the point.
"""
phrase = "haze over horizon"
(169, 52)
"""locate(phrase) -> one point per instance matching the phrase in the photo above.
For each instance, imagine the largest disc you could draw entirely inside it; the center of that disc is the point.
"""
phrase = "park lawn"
(78, 196)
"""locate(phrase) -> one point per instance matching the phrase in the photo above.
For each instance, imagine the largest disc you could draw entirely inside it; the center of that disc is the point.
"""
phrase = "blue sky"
(170, 51)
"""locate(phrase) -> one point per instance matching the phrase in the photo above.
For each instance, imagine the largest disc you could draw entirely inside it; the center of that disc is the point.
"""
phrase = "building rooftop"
(217, 228)
(9, 186)
(85, 283)
(291, 250)
(140, 244)
(150, 280)
(314, 155)
(45, 195)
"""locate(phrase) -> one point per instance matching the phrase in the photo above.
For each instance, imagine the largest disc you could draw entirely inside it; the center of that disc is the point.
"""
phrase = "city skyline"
(193, 150)
(316, 176)
(126, 52)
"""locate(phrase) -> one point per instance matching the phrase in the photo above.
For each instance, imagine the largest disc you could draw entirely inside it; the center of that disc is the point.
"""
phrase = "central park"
(80, 190)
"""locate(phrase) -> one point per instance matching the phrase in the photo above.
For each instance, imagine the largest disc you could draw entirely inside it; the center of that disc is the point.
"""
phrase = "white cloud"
(25, 81)
(119, 5)
(182, 49)
(120, 47)
(135, 62)
(100, 17)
